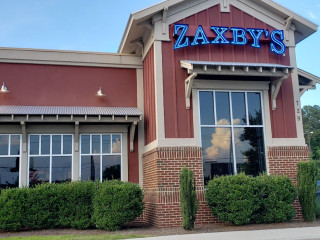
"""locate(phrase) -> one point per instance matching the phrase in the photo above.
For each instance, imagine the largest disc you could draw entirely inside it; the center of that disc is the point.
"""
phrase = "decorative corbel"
(164, 20)
(275, 88)
(188, 88)
(287, 26)
(132, 133)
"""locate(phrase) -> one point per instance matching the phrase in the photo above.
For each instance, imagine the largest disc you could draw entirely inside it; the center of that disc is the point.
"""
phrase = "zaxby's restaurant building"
(207, 84)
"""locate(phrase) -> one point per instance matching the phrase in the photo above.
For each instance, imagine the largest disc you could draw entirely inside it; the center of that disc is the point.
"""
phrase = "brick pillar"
(284, 161)
(161, 169)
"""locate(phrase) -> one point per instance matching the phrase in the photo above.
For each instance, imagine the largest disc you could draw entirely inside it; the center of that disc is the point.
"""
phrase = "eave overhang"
(277, 74)
(73, 115)
(307, 81)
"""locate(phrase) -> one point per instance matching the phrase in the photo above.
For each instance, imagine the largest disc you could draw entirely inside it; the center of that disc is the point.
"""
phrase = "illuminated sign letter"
(200, 35)
(179, 43)
(277, 46)
(220, 37)
(239, 36)
(256, 35)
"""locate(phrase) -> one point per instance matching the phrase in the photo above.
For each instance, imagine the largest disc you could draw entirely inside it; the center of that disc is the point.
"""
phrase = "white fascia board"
(290, 13)
(75, 58)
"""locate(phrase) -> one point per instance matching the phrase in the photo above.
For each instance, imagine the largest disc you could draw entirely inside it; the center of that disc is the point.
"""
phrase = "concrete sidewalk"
(306, 233)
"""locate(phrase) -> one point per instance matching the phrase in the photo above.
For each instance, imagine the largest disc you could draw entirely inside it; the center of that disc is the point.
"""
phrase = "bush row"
(80, 205)
(242, 199)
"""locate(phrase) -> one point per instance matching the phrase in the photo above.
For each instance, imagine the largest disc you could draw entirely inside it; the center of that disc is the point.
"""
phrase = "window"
(10, 149)
(101, 156)
(50, 158)
(232, 133)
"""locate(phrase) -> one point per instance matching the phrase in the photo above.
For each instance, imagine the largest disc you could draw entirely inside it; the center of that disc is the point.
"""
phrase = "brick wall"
(161, 168)
(284, 161)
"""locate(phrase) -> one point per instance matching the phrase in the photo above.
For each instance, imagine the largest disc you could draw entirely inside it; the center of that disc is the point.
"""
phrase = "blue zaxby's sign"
(226, 35)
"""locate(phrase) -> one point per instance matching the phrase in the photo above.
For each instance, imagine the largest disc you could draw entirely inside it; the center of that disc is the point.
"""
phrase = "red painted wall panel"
(51, 85)
(178, 120)
(149, 97)
(133, 160)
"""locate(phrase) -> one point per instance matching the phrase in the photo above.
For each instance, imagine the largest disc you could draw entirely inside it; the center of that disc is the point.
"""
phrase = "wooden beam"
(132, 133)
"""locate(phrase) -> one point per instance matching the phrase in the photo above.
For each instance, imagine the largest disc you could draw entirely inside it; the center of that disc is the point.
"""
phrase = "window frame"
(101, 154)
(50, 155)
(20, 151)
(232, 126)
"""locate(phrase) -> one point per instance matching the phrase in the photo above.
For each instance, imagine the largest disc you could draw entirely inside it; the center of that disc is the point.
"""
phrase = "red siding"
(178, 120)
(149, 97)
(133, 160)
(50, 85)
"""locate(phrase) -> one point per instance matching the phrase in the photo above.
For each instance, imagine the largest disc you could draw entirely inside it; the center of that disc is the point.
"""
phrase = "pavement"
(306, 233)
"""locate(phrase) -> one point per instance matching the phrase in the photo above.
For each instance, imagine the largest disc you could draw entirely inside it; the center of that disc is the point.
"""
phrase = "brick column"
(284, 161)
(161, 170)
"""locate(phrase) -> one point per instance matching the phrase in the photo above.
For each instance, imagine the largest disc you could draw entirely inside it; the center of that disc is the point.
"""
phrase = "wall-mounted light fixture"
(100, 93)
(4, 89)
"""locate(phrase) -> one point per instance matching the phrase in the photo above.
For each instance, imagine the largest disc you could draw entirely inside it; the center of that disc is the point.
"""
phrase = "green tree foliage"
(188, 199)
(307, 189)
(311, 123)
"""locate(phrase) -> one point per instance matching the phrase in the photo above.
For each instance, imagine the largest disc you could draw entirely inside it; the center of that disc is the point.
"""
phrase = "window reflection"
(90, 168)
(254, 109)
(111, 167)
(249, 146)
(239, 108)
(61, 169)
(223, 108)
(206, 108)
(39, 170)
(231, 146)
(9, 172)
(216, 152)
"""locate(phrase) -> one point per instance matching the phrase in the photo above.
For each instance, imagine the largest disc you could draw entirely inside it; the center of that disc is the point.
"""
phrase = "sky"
(98, 25)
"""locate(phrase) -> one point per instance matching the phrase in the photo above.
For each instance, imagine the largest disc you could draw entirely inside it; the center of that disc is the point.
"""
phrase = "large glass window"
(231, 133)
(10, 149)
(50, 158)
(101, 157)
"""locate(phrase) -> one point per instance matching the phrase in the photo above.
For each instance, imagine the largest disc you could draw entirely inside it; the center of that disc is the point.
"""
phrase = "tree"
(311, 125)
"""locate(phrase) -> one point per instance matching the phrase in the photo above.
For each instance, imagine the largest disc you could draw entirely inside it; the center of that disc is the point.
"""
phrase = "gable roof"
(304, 28)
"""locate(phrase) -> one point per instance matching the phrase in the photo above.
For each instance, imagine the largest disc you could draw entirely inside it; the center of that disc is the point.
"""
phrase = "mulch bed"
(140, 229)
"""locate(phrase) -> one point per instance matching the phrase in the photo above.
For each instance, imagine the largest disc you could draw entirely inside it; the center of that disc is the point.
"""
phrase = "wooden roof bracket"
(275, 88)
(188, 88)
(132, 133)
(164, 20)
(287, 26)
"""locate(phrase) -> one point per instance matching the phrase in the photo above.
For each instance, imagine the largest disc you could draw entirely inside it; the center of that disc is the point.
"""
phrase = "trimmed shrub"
(307, 189)
(188, 199)
(77, 208)
(275, 196)
(68, 205)
(242, 199)
(116, 203)
(231, 198)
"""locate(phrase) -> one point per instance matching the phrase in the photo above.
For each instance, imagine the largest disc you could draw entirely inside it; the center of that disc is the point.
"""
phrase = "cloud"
(221, 142)
(312, 15)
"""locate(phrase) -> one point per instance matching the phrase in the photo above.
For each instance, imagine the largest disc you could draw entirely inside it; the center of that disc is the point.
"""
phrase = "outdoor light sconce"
(100, 93)
(4, 89)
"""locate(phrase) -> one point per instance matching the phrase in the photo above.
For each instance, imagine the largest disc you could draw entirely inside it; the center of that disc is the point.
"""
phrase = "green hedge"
(116, 203)
(68, 205)
(242, 199)
(307, 189)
